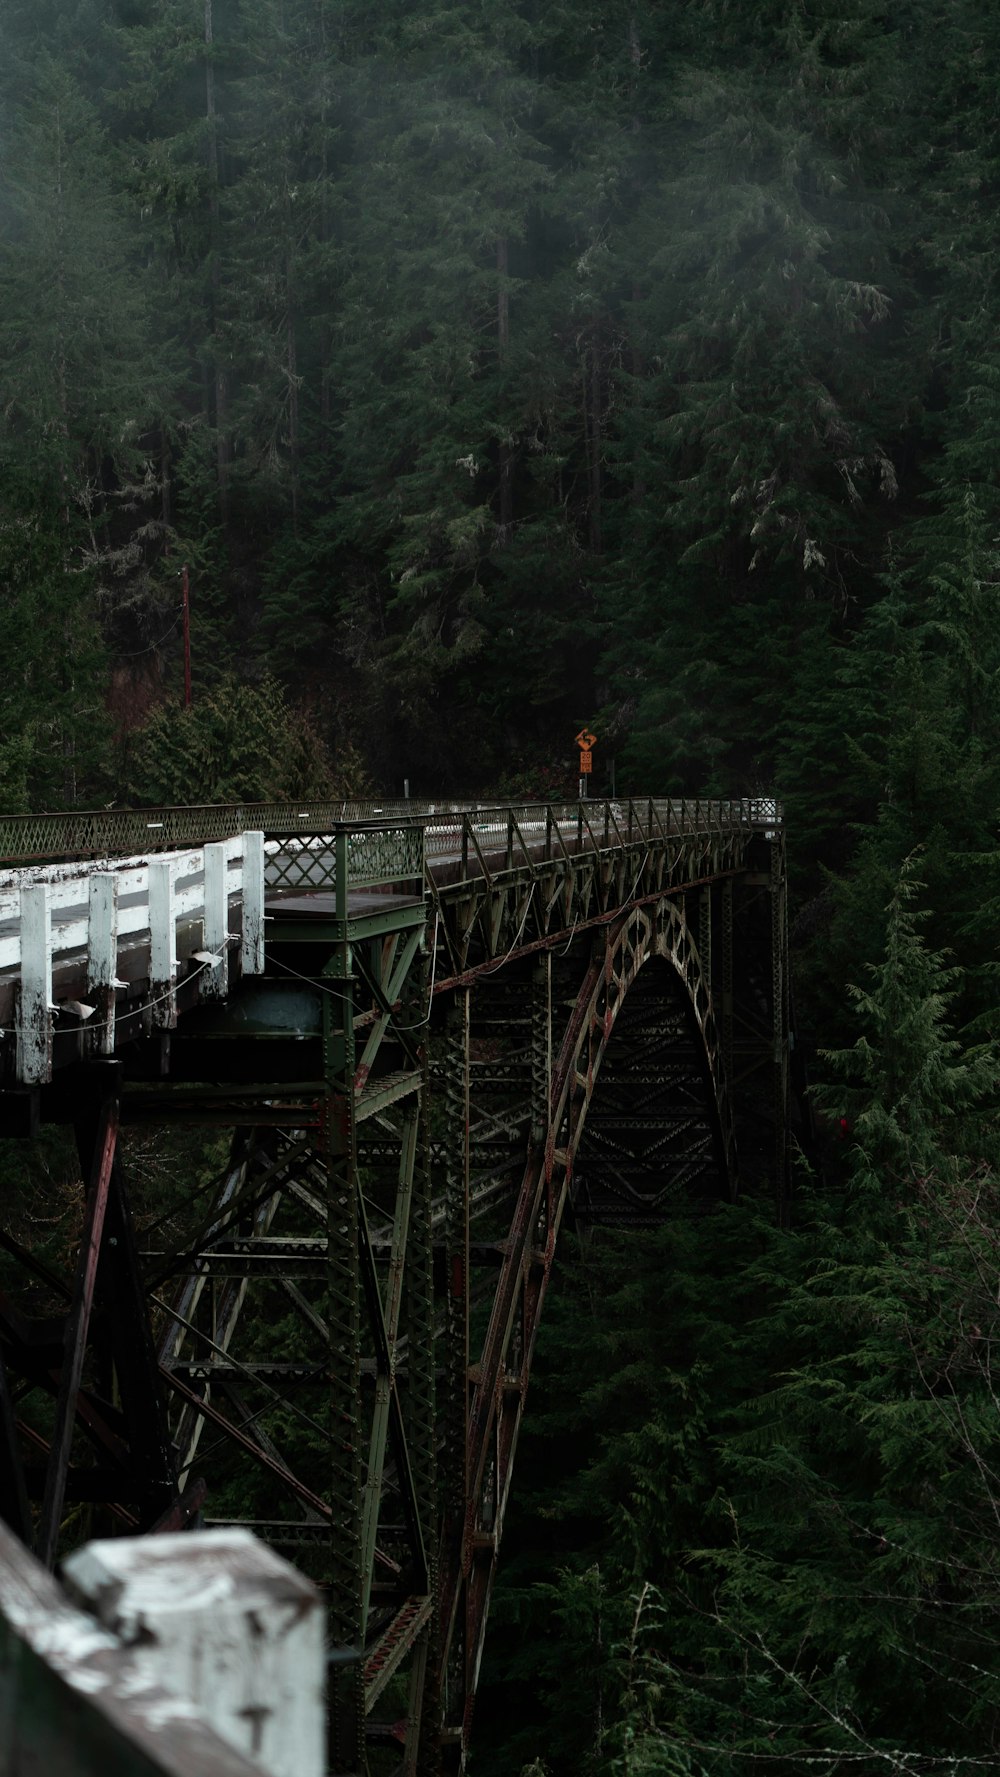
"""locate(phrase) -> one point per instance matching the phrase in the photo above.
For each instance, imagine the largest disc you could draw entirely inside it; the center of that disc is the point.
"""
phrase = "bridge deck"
(98, 948)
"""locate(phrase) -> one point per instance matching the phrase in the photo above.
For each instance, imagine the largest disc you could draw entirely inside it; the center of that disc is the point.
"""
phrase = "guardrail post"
(34, 1021)
(162, 943)
(215, 984)
(102, 955)
(341, 852)
(227, 1625)
(253, 904)
(77, 1702)
(510, 839)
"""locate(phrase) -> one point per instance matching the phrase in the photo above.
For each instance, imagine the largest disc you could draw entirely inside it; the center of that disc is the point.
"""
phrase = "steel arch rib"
(639, 936)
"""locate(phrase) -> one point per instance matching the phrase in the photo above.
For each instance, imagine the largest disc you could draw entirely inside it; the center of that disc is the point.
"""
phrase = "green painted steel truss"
(471, 1025)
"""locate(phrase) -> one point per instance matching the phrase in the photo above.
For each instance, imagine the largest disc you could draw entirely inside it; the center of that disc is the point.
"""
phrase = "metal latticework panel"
(381, 857)
(122, 832)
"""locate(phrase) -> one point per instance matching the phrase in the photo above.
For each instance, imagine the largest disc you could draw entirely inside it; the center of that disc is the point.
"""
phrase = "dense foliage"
(495, 367)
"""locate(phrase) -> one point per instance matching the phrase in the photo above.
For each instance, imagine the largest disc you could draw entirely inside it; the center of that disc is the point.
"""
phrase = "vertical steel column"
(454, 1065)
(779, 1002)
(454, 1052)
(99, 1146)
(122, 1302)
(705, 932)
(541, 1047)
(343, 1317)
(421, 1426)
(385, 1318)
(726, 1021)
(14, 1507)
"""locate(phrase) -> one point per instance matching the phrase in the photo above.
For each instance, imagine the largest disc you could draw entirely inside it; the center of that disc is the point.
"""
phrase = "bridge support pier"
(352, 1320)
(780, 1020)
(342, 1314)
(450, 1049)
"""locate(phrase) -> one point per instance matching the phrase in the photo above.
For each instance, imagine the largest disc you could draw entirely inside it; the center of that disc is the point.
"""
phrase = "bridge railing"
(347, 858)
(505, 836)
(125, 832)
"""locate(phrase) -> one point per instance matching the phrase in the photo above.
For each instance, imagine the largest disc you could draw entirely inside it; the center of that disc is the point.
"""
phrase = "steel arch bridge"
(426, 1034)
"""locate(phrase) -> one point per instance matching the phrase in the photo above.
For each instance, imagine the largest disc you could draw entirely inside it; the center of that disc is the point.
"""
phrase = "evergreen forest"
(495, 367)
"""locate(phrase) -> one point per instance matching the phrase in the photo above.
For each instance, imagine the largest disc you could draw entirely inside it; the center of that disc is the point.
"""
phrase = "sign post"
(585, 741)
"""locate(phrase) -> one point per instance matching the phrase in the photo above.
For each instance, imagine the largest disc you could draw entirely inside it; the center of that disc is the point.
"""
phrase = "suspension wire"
(527, 908)
(153, 647)
(310, 980)
(132, 1011)
(569, 940)
(430, 1001)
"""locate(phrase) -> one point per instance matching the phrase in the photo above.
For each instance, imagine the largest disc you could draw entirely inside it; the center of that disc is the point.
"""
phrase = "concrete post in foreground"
(222, 1621)
(74, 1704)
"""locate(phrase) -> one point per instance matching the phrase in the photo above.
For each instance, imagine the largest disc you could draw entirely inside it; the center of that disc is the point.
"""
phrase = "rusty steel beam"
(77, 1325)
(183, 1510)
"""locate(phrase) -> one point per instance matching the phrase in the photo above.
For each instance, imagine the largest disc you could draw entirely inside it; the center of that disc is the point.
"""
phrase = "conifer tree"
(83, 387)
(772, 312)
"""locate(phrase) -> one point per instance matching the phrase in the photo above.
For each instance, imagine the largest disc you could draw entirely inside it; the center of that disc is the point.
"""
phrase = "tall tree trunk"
(634, 55)
(637, 362)
(593, 408)
(166, 503)
(292, 373)
(325, 332)
(62, 377)
(221, 389)
(503, 345)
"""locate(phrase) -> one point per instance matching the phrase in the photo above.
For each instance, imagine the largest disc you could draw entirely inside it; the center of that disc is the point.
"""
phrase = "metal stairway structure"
(427, 1034)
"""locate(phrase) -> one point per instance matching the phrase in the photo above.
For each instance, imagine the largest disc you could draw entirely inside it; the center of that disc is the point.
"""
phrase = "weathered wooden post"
(222, 1621)
(75, 1703)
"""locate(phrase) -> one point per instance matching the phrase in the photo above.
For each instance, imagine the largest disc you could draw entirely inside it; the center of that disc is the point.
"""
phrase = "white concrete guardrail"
(194, 1656)
(134, 918)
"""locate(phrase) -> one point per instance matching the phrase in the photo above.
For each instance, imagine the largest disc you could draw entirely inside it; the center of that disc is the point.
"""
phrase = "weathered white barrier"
(173, 908)
(207, 1661)
(221, 1620)
(73, 1700)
